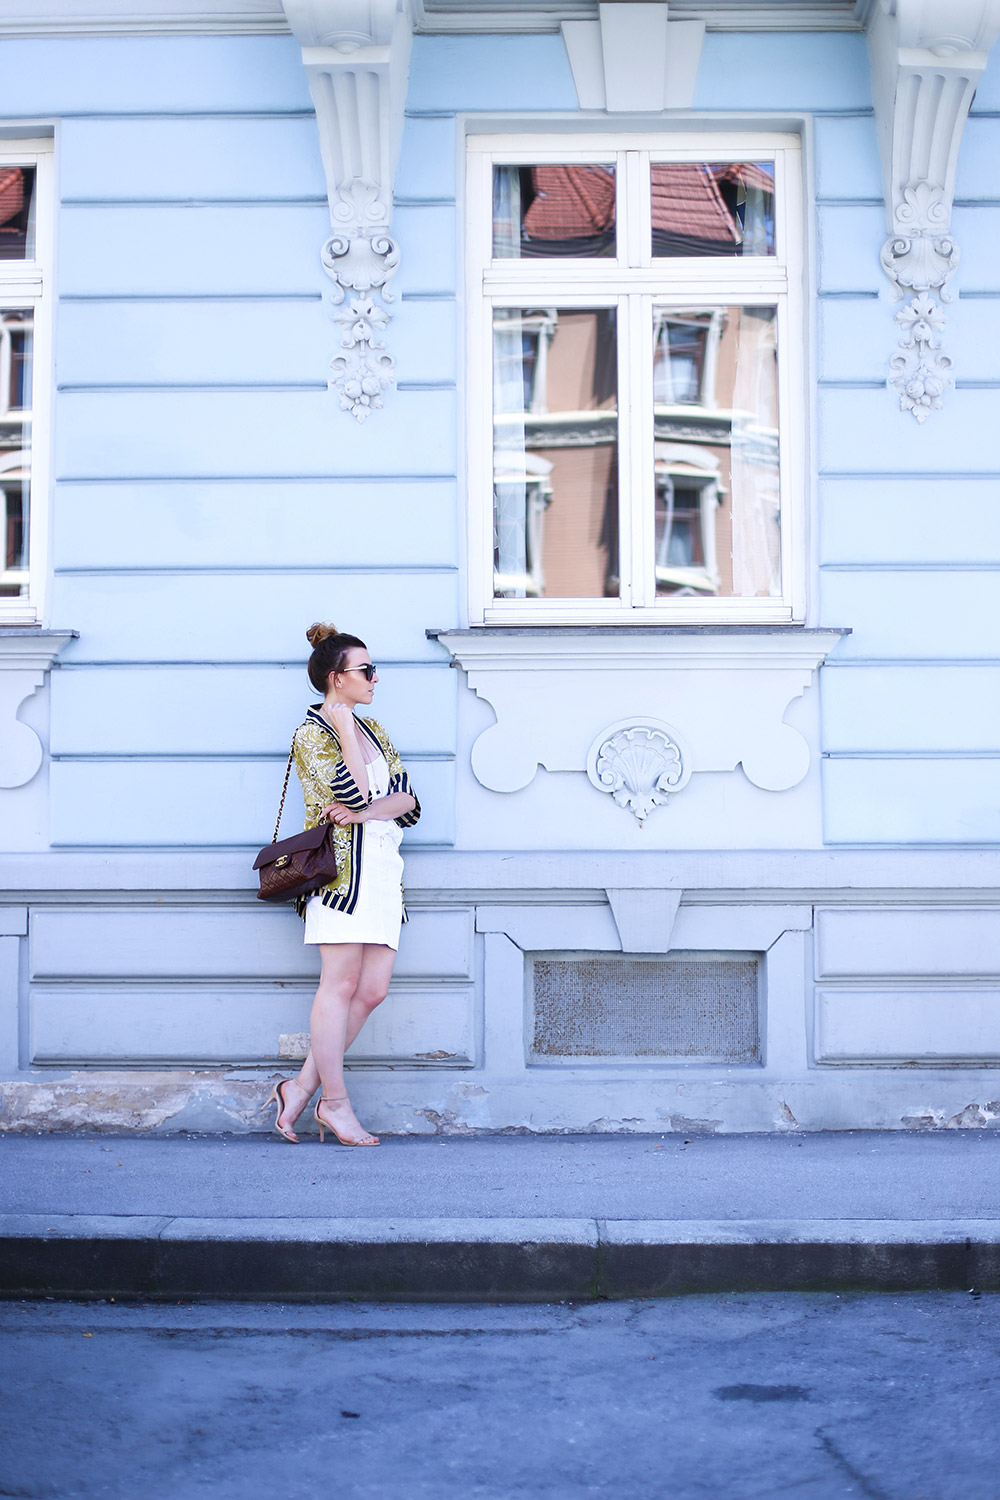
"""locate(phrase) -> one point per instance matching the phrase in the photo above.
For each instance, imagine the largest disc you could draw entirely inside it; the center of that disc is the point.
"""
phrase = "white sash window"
(636, 379)
(25, 364)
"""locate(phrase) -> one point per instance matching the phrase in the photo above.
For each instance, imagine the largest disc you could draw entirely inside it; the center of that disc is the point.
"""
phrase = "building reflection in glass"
(715, 443)
(15, 448)
(555, 453)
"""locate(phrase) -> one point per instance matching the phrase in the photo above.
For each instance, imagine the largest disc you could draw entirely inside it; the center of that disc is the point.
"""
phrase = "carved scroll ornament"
(356, 56)
(927, 57)
(361, 256)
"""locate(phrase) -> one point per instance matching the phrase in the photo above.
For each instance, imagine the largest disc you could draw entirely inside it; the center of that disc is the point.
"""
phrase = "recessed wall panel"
(907, 941)
(248, 1024)
(220, 617)
(93, 709)
(935, 1027)
(263, 942)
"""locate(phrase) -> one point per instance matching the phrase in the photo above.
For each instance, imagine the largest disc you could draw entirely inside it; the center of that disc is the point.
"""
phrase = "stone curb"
(493, 1260)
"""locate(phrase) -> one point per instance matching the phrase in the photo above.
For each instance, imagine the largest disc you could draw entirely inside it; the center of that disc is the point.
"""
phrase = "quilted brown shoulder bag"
(298, 865)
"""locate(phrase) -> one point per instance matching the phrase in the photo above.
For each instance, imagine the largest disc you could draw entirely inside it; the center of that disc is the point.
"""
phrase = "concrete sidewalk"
(497, 1217)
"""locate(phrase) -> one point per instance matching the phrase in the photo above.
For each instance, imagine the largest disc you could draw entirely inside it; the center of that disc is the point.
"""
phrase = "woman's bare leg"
(369, 990)
(335, 1022)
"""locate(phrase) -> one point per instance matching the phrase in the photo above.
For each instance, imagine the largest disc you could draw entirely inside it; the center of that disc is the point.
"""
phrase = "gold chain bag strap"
(299, 865)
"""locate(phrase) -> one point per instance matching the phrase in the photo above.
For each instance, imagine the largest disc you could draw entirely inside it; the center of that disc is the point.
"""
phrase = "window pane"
(715, 416)
(555, 403)
(17, 213)
(553, 211)
(15, 449)
(713, 208)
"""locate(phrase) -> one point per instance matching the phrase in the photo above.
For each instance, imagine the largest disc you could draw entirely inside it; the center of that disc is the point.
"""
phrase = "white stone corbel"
(927, 57)
(634, 58)
(356, 54)
(26, 654)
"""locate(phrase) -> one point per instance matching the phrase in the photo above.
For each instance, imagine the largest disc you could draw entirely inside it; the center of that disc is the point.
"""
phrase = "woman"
(354, 920)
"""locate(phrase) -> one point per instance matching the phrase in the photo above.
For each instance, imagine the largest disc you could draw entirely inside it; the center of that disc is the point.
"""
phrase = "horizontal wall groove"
(230, 757)
(220, 386)
(115, 116)
(145, 847)
(944, 662)
(423, 202)
(910, 567)
(910, 477)
(851, 385)
(245, 664)
(270, 200)
(848, 202)
(225, 570)
(428, 297)
(319, 477)
(911, 754)
(835, 296)
(199, 297)
(426, 385)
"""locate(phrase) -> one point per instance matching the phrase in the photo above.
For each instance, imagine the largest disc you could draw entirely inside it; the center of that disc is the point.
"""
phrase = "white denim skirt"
(379, 911)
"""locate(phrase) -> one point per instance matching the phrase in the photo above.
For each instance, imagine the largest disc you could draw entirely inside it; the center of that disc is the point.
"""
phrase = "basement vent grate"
(692, 1007)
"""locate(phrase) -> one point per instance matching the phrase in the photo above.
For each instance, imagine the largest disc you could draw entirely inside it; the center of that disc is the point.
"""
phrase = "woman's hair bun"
(319, 632)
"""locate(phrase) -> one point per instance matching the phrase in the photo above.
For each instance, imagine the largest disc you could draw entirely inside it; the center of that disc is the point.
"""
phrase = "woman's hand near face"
(341, 716)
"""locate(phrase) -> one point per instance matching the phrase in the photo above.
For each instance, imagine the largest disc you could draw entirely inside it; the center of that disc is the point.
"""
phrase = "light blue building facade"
(640, 411)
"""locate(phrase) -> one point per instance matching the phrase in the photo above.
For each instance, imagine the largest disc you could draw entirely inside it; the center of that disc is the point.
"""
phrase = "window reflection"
(555, 453)
(712, 208)
(17, 217)
(15, 449)
(715, 416)
(553, 211)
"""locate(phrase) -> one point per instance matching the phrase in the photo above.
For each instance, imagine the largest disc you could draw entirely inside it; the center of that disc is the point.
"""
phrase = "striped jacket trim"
(332, 782)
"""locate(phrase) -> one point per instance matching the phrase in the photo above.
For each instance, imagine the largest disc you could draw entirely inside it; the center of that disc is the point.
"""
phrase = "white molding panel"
(235, 17)
(879, 942)
(943, 1027)
(253, 1025)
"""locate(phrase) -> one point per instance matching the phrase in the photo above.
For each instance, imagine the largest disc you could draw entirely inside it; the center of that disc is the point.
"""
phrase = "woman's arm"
(343, 722)
(396, 805)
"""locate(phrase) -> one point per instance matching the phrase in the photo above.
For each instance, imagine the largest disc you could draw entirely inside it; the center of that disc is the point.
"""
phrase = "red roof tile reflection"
(747, 172)
(686, 200)
(574, 201)
(11, 193)
(570, 201)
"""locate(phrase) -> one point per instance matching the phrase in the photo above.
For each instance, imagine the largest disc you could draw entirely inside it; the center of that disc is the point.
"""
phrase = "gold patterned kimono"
(325, 778)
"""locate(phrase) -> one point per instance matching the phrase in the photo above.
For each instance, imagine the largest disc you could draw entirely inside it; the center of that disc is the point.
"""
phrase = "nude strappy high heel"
(278, 1098)
(324, 1125)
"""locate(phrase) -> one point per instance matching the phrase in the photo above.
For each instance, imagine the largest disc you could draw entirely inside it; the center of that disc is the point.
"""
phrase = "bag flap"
(310, 839)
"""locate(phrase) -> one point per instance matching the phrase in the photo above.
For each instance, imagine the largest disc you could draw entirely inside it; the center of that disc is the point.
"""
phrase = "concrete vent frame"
(586, 1008)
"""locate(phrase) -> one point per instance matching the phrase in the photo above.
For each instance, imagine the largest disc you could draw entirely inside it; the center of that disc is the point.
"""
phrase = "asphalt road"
(733, 1398)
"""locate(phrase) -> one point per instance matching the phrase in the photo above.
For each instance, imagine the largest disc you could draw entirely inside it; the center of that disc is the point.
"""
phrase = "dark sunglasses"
(369, 670)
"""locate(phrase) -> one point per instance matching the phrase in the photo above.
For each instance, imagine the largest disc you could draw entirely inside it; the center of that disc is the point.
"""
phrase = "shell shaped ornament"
(641, 763)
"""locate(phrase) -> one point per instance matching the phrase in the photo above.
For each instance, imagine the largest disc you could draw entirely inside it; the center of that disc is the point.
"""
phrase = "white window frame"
(633, 281)
(29, 284)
